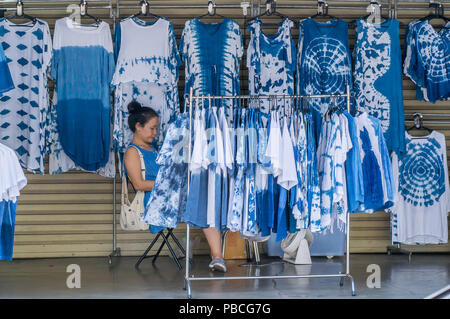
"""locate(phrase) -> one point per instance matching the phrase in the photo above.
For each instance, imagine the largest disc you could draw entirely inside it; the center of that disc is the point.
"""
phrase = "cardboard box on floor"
(234, 246)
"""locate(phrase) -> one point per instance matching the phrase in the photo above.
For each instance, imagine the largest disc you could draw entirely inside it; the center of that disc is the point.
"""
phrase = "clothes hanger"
(145, 11)
(84, 13)
(376, 13)
(418, 124)
(270, 11)
(211, 11)
(437, 14)
(21, 15)
(322, 10)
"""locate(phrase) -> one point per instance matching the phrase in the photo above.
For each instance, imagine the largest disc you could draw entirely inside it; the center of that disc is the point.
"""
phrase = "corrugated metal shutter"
(71, 214)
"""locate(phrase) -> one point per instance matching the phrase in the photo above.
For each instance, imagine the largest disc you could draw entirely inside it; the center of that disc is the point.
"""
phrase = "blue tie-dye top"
(376, 165)
(82, 66)
(323, 63)
(212, 54)
(378, 78)
(271, 61)
(427, 61)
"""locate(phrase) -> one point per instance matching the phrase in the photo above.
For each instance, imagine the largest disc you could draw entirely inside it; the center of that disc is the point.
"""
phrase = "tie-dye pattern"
(427, 61)
(323, 64)
(77, 140)
(376, 165)
(330, 160)
(167, 204)
(212, 54)
(419, 215)
(24, 110)
(271, 62)
(146, 72)
(378, 79)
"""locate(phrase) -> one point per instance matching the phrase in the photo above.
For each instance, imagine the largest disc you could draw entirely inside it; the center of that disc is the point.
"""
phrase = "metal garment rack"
(188, 278)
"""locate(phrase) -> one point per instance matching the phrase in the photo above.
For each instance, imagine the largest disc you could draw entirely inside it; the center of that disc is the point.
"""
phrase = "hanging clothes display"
(419, 215)
(378, 78)
(324, 67)
(427, 61)
(334, 144)
(12, 180)
(323, 63)
(146, 71)
(273, 185)
(271, 62)
(212, 54)
(376, 165)
(167, 204)
(24, 110)
(353, 168)
(81, 114)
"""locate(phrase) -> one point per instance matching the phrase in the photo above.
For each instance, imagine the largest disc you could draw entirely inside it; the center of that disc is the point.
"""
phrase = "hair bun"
(134, 107)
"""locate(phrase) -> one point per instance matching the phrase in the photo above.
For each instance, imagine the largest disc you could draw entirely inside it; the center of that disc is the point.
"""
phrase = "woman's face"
(148, 131)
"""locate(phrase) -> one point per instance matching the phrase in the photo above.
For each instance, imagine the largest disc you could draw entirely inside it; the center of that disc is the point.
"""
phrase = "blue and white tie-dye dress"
(323, 63)
(212, 54)
(271, 62)
(378, 78)
(147, 72)
(24, 110)
(82, 67)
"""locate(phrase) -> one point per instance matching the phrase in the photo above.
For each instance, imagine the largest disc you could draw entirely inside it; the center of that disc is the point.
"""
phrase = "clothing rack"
(188, 278)
(256, 6)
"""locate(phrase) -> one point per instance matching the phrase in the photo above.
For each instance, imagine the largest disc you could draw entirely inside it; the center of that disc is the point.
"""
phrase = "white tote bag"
(131, 213)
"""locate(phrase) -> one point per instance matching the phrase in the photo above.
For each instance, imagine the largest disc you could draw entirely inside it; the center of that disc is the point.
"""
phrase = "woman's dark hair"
(139, 114)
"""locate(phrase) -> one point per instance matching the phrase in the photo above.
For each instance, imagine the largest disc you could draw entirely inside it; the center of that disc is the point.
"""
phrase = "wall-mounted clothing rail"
(37, 5)
(189, 278)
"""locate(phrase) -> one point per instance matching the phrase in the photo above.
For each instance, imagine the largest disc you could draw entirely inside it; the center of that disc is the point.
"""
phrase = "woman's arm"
(133, 164)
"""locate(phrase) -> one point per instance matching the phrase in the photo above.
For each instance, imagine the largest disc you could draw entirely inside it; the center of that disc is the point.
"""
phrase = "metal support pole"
(116, 250)
(187, 284)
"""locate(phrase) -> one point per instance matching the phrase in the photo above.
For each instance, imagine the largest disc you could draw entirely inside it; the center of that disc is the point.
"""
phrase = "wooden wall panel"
(71, 214)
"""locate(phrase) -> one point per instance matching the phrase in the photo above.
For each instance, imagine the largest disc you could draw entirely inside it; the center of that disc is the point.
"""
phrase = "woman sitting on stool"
(143, 122)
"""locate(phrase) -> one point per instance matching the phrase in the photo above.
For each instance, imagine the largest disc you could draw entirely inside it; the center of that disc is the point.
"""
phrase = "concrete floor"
(46, 278)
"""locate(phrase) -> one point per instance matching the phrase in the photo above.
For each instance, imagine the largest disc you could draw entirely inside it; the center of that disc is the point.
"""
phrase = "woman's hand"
(133, 164)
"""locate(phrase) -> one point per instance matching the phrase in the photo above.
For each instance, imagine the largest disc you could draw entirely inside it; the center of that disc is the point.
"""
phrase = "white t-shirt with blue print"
(419, 215)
